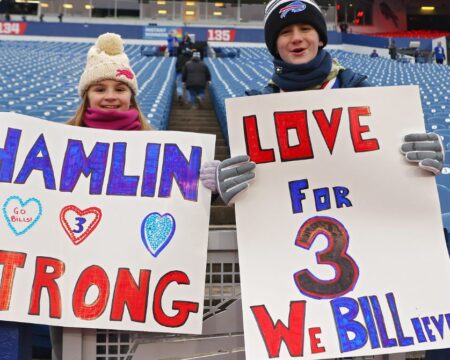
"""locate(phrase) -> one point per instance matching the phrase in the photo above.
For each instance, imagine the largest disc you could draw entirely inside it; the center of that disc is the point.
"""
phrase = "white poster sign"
(102, 229)
(341, 244)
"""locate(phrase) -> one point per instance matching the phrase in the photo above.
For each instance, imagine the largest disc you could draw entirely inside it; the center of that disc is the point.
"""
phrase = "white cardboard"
(117, 241)
(394, 224)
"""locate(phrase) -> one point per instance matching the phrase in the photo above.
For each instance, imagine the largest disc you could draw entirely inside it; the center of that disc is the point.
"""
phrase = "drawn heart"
(156, 232)
(79, 224)
(21, 215)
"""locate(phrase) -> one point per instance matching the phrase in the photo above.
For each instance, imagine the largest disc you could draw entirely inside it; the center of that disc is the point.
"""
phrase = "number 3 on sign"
(79, 224)
(335, 255)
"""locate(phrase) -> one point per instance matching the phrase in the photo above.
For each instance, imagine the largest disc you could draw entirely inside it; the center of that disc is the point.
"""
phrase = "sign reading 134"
(221, 34)
(12, 28)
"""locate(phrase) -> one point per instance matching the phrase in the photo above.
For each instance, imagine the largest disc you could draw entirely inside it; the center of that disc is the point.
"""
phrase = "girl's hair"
(77, 119)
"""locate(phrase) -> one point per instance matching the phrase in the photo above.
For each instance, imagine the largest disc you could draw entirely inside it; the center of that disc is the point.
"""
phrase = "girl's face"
(109, 95)
(298, 43)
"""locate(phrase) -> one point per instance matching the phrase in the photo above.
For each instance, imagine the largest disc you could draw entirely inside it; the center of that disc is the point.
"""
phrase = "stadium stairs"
(204, 120)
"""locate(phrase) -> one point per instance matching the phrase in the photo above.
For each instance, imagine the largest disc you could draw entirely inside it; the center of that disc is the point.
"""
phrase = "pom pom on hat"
(110, 43)
(282, 13)
(106, 60)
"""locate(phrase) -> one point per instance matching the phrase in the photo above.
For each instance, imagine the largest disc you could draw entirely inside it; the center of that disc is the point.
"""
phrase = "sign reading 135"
(221, 34)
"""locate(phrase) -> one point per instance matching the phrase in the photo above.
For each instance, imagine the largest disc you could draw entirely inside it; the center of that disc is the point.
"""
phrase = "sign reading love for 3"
(102, 229)
(341, 243)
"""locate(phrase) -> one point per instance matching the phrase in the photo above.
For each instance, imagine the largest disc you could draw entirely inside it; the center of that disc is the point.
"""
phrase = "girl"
(108, 89)
(295, 34)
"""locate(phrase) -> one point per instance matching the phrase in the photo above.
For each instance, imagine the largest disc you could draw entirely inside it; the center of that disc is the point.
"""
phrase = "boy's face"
(298, 43)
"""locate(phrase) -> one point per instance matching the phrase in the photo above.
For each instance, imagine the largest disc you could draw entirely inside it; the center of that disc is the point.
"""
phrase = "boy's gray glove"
(233, 175)
(426, 149)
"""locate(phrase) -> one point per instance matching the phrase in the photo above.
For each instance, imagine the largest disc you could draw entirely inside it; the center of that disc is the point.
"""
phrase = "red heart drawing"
(81, 224)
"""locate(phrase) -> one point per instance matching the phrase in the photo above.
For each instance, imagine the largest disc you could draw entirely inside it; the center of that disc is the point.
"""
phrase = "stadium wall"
(383, 42)
(159, 33)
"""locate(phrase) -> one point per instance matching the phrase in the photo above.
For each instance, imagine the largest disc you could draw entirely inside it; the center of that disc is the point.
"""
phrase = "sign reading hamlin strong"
(102, 229)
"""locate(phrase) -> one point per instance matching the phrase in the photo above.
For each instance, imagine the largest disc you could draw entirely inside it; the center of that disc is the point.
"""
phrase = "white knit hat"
(107, 60)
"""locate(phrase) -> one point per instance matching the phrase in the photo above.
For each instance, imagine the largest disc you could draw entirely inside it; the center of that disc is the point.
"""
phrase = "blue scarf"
(290, 77)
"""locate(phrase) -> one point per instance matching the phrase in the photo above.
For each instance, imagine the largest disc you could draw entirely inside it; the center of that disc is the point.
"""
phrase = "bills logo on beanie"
(295, 7)
(106, 60)
(282, 13)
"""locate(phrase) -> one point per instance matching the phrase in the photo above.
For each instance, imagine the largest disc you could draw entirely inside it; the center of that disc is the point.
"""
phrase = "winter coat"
(182, 59)
(196, 74)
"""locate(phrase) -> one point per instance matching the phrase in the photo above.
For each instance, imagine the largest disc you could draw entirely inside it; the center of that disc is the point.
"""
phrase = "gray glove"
(208, 175)
(233, 175)
(426, 149)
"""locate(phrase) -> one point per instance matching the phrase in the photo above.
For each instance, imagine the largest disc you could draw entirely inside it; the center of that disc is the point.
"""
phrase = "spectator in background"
(416, 55)
(60, 17)
(186, 43)
(343, 27)
(24, 18)
(7, 17)
(172, 43)
(439, 53)
(184, 56)
(374, 54)
(41, 18)
(196, 77)
(393, 50)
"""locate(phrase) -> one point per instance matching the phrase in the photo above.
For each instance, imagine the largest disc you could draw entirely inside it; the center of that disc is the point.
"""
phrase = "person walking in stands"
(196, 77)
(296, 35)
(182, 59)
(393, 50)
(439, 53)
(186, 43)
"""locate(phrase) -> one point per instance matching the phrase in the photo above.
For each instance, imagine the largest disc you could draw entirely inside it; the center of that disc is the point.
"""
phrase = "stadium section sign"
(12, 28)
(161, 33)
(102, 229)
(340, 240)
(227, 35)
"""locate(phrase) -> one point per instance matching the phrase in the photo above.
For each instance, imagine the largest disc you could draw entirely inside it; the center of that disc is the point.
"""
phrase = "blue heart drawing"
(156, 232)
(21, 220)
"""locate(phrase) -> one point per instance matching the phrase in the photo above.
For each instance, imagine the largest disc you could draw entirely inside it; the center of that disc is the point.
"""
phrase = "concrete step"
(201, 130)
(222, 215)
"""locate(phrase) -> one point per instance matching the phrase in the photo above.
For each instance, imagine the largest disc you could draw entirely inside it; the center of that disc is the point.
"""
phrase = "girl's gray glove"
(426, 149)
(228, 177)
(208, 175)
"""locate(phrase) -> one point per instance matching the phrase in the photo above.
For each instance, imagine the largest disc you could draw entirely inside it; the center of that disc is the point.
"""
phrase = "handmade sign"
(341, 243)
(102, 229)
